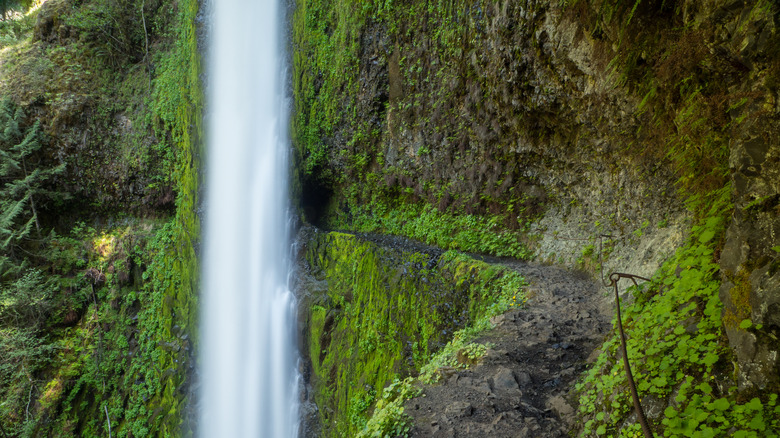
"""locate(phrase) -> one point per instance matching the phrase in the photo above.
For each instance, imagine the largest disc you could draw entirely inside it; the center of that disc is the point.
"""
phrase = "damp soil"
(523, 387)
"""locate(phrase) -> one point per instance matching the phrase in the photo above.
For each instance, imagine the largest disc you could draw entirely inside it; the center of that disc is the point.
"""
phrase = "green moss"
(373, 305)
(316, 326)
(386, 313)
(88, 373)
(419, 96)
(124, 325)
(469, 233)
(326, 36)
(677, 350)
(740, 299)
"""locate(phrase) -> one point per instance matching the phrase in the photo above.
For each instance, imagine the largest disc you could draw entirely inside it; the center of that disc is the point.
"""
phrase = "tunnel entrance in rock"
(315, 197)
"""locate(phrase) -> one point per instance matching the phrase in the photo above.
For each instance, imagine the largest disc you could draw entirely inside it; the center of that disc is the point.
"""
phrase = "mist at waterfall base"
(248, 360)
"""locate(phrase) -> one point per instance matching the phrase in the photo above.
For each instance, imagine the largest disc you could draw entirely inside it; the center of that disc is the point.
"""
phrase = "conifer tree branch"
(32, 201)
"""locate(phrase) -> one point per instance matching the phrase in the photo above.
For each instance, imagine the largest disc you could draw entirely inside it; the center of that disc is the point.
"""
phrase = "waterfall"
(248, 360)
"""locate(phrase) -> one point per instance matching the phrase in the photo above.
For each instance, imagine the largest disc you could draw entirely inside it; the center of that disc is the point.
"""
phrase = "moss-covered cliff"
(108, 282)
(597, 134)
(608, 135)
(374, 314)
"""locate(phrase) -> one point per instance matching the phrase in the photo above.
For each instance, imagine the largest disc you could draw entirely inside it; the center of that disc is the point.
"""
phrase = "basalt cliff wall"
(600, 135)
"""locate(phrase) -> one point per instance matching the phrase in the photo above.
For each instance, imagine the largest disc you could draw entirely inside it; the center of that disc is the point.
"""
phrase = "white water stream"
(248, 358)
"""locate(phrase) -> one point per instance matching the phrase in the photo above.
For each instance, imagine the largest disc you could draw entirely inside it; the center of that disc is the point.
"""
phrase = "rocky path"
(520, 387)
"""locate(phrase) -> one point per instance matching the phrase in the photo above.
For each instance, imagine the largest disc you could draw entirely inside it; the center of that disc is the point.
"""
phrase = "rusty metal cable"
(613, 281)
(614, 278)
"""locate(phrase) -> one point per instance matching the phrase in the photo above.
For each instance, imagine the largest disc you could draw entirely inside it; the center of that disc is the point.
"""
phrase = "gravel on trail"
(523, 386)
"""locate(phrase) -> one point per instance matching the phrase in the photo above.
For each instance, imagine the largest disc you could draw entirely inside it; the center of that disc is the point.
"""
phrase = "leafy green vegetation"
(9, 7)
(24, 180)
(430, 156)
(24, 307)
(677, 350)
(390, 315)
(469, 233)
(98, 332)
(99, 321)
(389, 419)
(342, 136)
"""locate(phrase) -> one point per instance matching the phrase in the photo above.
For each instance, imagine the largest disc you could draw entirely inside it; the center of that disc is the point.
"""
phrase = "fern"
(23, 179)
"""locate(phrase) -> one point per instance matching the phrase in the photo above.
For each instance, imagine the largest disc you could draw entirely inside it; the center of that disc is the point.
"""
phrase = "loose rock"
(520, 388)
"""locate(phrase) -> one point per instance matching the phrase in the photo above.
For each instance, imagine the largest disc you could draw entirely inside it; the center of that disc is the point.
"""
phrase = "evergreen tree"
(21, 179)
(6, 6)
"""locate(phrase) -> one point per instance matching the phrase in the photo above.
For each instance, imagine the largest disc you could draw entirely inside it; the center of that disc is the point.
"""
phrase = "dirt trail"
(519, 389)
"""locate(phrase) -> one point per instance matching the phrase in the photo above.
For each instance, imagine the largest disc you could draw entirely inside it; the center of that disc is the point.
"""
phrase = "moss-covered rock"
(382, 313)
(121, 103)
(586, 133)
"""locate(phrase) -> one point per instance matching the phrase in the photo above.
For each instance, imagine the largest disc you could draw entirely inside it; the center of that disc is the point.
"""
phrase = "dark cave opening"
(315, 197)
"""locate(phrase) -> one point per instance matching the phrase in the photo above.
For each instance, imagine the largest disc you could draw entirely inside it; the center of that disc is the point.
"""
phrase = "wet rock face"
(527, 108)
(49, 24)
(750, 260)
(514, 109)
(531, 114)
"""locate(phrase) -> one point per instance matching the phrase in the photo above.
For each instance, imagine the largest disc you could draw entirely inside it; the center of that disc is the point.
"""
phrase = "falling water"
(248, 318)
